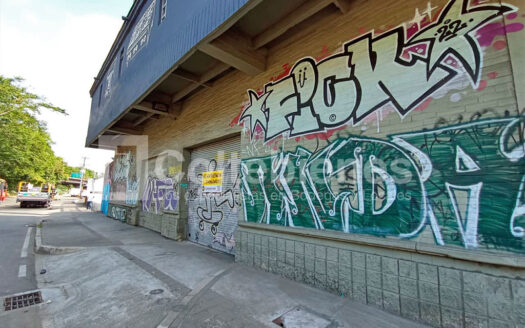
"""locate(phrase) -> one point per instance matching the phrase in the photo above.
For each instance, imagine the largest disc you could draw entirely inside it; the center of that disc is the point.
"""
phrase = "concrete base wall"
(119, 211)
(173, 226)
(438, 291)
(150, 220)
(170, 225)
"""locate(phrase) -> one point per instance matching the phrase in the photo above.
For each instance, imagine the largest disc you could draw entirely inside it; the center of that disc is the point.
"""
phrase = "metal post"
(82, 170)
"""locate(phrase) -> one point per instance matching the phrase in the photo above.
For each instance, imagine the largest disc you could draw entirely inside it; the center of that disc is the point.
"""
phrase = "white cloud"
(58, 53)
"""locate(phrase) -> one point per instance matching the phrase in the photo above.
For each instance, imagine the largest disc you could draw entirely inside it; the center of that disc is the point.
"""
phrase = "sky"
(58, 47)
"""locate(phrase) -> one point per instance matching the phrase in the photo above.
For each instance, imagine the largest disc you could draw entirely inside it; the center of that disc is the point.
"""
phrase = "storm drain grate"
(20, 301)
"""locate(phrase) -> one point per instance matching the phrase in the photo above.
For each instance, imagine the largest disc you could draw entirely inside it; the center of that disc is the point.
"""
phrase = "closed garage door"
(213, 201)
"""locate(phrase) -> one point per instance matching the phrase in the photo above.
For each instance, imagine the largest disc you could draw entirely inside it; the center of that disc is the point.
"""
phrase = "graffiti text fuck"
(371, 72)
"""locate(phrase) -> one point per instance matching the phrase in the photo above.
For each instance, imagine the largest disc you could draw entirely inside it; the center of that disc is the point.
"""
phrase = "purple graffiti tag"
(158, 190)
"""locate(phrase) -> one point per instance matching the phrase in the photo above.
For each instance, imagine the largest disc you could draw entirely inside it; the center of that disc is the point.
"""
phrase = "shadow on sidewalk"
(130, 276)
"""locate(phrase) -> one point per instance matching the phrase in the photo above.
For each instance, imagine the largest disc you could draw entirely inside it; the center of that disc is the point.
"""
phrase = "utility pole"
(82, 170)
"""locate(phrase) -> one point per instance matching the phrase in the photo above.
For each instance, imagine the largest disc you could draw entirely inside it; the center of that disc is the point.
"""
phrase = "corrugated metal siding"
(187, 23)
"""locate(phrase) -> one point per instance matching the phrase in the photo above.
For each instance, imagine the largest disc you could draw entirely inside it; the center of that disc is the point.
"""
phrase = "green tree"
(25, 145)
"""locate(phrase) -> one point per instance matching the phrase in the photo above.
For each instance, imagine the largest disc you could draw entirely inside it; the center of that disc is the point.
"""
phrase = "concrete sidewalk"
(132, 277)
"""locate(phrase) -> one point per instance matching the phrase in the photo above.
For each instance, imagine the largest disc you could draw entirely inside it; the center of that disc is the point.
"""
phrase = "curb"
(48, 249)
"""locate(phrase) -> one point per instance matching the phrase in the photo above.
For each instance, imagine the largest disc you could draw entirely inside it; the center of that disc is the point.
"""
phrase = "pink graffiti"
(492, 75)
(482, 85)
(420, 49)
(324, 135)
(488, 33)
(499, 45)
(415, 27)
(424, 105)
(452, 62)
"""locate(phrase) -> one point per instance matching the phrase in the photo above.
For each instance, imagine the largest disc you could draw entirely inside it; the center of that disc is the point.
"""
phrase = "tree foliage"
(25, 144)
(74, 169)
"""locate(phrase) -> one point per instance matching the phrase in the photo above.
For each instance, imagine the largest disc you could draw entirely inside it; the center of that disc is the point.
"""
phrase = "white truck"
(29, 195)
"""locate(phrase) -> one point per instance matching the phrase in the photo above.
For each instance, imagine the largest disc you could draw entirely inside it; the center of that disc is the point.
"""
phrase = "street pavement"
(16, 234)
(17, 264)
(104, 273)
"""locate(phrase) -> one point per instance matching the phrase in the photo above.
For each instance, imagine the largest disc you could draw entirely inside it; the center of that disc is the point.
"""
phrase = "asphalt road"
(17, 233)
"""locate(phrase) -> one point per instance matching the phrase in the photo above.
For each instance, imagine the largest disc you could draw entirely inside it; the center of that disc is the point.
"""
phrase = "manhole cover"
(20, 301)
(301, 317)
(156, 291)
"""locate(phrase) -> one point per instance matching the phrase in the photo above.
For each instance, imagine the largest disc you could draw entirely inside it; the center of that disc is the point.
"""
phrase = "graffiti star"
(428, 11)
(255, 111)
(418, 18)
(451, 35)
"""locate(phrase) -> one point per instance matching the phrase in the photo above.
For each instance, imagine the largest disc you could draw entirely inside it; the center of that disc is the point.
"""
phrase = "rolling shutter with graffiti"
(213, 202)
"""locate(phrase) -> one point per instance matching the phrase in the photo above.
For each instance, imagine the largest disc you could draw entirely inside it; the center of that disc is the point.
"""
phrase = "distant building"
(370, 148)
(74, 185)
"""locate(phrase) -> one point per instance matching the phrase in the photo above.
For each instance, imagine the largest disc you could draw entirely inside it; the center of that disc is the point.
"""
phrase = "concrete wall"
(399, 180)
(436, 290)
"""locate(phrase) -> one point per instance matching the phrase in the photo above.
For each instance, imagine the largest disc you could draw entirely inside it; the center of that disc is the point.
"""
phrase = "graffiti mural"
(105, 198)
(118, 213)
(132, 191)
(162, 193)
(399, 68)
(211, 212)
(463, 182)
(108, 176)
(123, 166)
(225, 241)
(124, 182)
(212, 208)
(213, 215)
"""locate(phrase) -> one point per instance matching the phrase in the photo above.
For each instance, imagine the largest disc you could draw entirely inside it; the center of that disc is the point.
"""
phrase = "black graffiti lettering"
(306, 78)
(338, 98)
(370, 73)
(390, 79)
(451, 30)
(280, 106)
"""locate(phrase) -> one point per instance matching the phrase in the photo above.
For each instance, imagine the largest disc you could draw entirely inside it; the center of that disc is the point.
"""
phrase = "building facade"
(369, 148)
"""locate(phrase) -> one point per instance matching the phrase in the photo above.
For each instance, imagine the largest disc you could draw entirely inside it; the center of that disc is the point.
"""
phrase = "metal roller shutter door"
(212, 217)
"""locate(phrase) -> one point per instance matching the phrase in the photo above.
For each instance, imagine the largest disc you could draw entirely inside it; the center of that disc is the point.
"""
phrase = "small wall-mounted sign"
(212, 181)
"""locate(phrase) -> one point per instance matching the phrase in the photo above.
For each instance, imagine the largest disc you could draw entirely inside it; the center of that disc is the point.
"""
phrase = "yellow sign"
(212, 178)
(212, 181)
